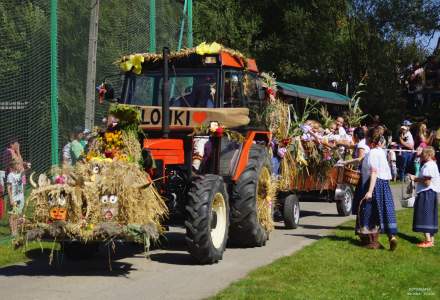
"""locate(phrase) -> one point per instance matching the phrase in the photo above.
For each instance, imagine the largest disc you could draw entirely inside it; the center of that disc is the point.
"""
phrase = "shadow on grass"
(351, 240)
(409, 238)
(309, 226)
(170, 249)
(61, 266)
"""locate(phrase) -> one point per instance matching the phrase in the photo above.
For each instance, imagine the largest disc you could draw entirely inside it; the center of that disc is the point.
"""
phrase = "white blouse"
(429, 169)
(361, 145)
(375, 160)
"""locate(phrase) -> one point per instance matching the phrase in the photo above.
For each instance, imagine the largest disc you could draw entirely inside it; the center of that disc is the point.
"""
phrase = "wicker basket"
(351, 176)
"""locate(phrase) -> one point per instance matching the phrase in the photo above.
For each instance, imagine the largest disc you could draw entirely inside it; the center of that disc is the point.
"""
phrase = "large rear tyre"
(344, 205)
(207, 222)
(291, 211)
(249, 203)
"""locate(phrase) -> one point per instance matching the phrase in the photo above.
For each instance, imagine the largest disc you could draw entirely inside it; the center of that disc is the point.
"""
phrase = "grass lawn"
(8, 255)
(4, 222)
(335, 267)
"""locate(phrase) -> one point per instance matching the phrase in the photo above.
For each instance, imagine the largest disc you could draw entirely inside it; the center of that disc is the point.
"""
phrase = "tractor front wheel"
(207, 221)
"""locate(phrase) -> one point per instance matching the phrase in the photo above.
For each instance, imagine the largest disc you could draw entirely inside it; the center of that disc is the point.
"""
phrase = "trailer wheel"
(79, 250)
(207, 219)
(248, 195)
(344, 204)
(291, 211)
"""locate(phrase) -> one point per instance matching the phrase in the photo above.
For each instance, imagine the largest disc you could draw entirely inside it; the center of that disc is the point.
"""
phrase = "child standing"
(425, 207)
(16, 195)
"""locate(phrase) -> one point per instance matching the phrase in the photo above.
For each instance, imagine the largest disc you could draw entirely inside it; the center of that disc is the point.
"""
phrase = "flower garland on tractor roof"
(133, 62)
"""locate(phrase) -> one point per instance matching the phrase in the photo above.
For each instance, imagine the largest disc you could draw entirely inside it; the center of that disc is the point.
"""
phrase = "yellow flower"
(134, 62)
(202, 49)
(205, 48)
(214, 48)
(138, 59)
(126, 65)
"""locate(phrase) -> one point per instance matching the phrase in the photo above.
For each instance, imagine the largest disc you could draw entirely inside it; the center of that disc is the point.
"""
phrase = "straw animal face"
(56, 202)
(58, 205)
(109, 206)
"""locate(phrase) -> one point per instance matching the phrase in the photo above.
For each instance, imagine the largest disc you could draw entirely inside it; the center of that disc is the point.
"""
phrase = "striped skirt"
(378, 213)
(426, 212)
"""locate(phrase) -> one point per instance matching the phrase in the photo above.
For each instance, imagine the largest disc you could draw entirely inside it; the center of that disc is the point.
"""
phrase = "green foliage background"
(316, 42)
(25, 62)
(308, 42)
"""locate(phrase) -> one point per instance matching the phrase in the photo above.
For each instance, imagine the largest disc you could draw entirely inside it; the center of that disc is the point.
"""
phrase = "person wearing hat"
(406, 123)
(406, 141)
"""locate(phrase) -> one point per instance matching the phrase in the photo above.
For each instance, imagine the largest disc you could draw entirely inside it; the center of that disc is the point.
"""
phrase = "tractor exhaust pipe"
(165, 94)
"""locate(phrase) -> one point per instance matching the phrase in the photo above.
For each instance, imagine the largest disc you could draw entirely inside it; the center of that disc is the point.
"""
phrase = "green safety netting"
(25, 63)
(304, 92)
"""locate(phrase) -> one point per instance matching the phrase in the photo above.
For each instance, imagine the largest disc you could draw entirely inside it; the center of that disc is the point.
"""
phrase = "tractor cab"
(215, 80)
(198, 107)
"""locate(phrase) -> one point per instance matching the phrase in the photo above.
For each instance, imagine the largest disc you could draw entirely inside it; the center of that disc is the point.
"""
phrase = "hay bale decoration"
(301, 159)
(104, 197)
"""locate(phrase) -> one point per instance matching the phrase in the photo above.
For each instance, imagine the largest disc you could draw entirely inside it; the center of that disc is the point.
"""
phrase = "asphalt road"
(169, 273)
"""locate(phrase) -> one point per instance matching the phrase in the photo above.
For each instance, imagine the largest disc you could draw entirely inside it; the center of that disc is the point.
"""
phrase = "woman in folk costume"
(360, 150)
(376, 211)
(426, 207)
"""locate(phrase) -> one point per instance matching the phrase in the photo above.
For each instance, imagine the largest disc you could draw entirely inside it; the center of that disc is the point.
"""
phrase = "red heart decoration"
(199, 116)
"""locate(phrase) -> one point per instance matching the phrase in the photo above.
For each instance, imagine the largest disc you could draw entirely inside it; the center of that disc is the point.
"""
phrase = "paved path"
(170, 274)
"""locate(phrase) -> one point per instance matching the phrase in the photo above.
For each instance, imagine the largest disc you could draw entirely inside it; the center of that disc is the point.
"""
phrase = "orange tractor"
(217, 185)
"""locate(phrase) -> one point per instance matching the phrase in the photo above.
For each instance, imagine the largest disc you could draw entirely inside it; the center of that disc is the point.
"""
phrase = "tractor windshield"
(187, 89)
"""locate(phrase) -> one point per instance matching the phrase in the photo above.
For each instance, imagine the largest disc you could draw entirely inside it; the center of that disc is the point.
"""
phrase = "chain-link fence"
(124, 27)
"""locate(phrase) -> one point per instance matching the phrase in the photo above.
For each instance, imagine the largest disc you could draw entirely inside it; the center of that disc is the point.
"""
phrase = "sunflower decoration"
(114, 145)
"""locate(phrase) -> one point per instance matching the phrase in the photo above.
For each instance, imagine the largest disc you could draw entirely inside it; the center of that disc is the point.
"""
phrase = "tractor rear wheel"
(344, 205)
(250, 206)
(207, 221)
(291, 212)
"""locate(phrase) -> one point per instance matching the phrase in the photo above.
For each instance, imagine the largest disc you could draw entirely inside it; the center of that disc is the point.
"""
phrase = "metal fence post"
(91, 65)
(190, 24)
(182, 27)
(54, 81)
(152, 26)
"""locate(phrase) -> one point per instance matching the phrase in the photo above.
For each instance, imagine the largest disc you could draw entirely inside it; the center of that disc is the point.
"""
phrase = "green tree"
(229, 22)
